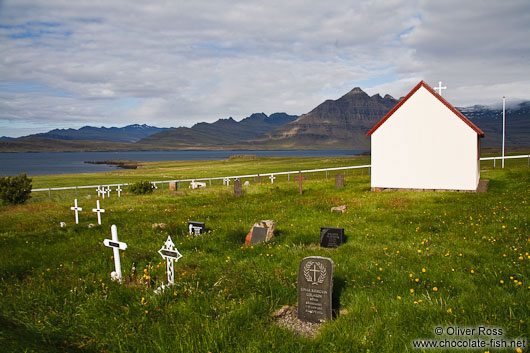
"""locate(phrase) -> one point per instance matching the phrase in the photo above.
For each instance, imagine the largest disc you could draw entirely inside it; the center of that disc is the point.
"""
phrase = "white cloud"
(177, 63)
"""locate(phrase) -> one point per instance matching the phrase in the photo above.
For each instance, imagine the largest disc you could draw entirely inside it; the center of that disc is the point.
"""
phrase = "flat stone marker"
(76, 210)
(331, 237)
(196, 228)
(116, 247)
(170, 254)
(315, 287)
(99, 211)
(238, 189)
(339, 181)
(259, 234)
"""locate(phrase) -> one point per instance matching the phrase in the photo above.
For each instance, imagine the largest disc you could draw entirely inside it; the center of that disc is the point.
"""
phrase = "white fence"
(227, 179)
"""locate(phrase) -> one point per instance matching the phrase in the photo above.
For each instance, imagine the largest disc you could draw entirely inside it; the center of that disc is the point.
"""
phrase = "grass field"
(412, 261)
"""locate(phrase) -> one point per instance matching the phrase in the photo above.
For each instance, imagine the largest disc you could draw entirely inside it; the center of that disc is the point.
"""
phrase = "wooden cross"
(440, 88)
(116, 247)
(272, 177)
(99, 211)
(170, 254)
(119, 190)
(76, 210)
(300, 178)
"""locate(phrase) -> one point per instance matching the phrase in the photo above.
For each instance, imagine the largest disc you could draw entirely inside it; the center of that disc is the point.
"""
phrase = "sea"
(47, 163)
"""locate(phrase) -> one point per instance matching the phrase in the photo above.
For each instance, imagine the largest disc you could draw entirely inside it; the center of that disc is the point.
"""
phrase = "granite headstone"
(196, 228)
(331, 237)
(339, 181)
(238, 189)
(315, 287)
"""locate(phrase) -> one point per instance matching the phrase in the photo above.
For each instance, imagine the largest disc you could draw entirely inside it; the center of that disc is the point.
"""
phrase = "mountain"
(43, 144)
(334, 124)
(130, 133)
(222, 133)
(489, 120)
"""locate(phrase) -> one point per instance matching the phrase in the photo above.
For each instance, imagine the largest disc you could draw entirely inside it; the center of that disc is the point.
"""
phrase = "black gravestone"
(315, 287)
(238, 189)
(259, 234)
(331, 237)
(196, 228)
(339, 181)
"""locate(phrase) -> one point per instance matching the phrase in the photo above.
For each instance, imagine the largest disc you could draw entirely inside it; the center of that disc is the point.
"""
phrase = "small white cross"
(100, 191)
(440, 88)
(116, 247)
(170, 254)
(99, 211)
(154, 185)
(118, 189)
(226, 181)
(76, 210)
(272, 177)
(108, 191)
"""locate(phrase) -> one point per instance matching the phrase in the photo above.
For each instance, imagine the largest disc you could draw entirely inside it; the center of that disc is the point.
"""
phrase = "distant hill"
(43, 144)
(334, 124)
(222, 133)
(129, 133)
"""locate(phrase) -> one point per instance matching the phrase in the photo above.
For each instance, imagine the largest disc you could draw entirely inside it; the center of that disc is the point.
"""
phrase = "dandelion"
(450, 311)
(472, 271)
(417, 280)
(399, 298)
(502, 281)
(419, 251)
(411, 291)
(435, 289)
(423, 270)
(411, 275)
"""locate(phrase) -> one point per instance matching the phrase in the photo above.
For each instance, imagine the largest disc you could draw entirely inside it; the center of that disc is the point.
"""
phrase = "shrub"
(142, 187)
(15, 190)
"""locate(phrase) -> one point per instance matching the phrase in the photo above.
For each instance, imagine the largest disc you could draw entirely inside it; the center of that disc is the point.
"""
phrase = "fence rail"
(228, 178)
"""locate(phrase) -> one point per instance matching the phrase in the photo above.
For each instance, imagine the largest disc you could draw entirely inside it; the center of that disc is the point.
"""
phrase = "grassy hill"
(412, 261)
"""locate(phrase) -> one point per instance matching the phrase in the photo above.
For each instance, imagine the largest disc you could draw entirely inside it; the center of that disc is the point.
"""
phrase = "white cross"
(156, 187)
(100, 191)
(76, 210)
(440, 88)
(99, 211)
(118, 189)
(272, 177)
(116, 247)
(170, 254)
(108, 190)
(226, 181)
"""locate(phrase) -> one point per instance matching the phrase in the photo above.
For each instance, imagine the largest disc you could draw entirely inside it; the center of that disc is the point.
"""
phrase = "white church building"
(425, 143)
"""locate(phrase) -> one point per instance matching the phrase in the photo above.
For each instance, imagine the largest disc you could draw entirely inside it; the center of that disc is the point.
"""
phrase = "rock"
(90, 225)
(63, 224)
(269, 224)
(159, 225)
(247, 183)
(341, 209)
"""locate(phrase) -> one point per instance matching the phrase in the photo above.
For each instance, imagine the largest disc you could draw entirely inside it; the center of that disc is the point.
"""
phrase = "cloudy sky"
(174, 63)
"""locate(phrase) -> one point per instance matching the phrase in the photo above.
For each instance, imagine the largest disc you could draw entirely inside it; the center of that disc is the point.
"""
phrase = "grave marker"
(196, 228)
(170, 254)
(238, 189)
(226, 181)
(339, 181)
(331, 237)
(300, 178)
(257, 179)
(118, 189)
(99, 211)
(116, 247)
(259, 234)
(76, 210)
(172, 186)
(272, 177)
(315, 287)
(108, 191)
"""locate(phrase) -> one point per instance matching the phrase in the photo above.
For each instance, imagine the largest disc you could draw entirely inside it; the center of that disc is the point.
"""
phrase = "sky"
(67, 64)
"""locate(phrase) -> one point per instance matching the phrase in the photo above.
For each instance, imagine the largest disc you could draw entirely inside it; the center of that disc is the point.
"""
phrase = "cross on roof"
(76, 210)
(440, 88)
(99, 211)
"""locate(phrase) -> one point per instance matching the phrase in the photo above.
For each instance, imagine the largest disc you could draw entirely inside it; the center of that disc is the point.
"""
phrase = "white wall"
(424, 145)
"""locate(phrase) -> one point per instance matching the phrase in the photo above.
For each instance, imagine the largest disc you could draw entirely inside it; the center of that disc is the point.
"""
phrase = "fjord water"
(45, 163)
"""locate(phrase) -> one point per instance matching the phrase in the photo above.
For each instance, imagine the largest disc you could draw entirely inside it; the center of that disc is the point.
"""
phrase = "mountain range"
(333, 124)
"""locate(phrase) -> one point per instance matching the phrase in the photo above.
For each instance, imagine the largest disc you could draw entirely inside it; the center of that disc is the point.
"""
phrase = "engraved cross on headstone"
(170, 254)
(440, 88)
(116, 247)
(99, 211)
(76, 210)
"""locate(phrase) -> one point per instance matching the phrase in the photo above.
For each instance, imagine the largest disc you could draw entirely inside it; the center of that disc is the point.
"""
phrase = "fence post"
(76, 191)
(493, 162)
(50, 193)
(210, 182)
(326, 174)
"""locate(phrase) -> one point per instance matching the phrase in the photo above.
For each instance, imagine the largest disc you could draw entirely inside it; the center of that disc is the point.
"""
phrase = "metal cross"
(99, 211)
(272, 177)
(76, 210)
(440, 88)
(116, 247)
(170, 254)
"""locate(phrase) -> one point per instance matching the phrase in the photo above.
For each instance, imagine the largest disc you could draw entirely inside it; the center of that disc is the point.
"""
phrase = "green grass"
(56, 292)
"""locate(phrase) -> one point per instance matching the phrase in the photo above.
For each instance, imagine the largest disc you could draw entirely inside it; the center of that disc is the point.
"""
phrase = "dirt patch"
(287, 317)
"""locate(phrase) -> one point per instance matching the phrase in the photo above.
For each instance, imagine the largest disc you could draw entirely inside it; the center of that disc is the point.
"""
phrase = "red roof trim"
(440, 98)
